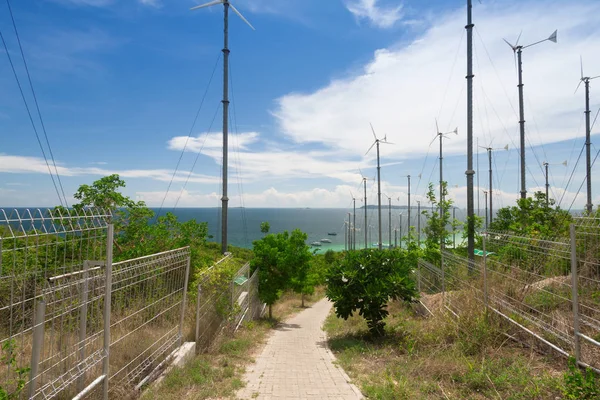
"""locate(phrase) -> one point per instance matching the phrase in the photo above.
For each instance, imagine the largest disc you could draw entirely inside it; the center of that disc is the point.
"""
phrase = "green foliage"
(366, 280)
(436, 229)
(13, 386)
(329, 256)
(265, 227)
(580, 385)
(104, 193)
(283, 261)
(533, 218)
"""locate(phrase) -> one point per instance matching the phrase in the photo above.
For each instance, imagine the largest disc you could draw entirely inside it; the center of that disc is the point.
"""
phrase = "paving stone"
(296, 363)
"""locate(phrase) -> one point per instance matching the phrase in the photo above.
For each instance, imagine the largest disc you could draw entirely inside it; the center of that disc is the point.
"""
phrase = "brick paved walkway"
(296, 363)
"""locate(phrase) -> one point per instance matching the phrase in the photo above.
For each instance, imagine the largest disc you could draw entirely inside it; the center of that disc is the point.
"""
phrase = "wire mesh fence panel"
(148, 300)
(214, 303)
(529, 283)
(587, 237)
(227, 296)
(52, 266)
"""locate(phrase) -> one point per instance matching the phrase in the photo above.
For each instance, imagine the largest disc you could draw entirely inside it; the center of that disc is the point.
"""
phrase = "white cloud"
(401, 90)
(211, 141)
(379, 16)
(35, 165)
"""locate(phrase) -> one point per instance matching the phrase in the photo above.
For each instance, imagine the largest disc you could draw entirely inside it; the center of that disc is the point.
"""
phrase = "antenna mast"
(470, 172)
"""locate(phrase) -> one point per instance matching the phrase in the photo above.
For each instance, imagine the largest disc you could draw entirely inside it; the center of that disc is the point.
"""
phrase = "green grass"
(441, 358)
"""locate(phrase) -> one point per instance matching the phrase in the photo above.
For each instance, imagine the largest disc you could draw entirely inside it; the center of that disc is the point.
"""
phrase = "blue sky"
(119, 83)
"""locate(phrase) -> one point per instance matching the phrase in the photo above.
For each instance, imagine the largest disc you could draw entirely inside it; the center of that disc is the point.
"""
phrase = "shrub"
(580, 385)
(366, 280)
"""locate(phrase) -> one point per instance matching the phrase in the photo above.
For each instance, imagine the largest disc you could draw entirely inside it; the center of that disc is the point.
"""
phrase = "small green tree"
(532, 217)
(265, 227)
(296, 260)
(273, 275)
(365, 280)
(436, 228)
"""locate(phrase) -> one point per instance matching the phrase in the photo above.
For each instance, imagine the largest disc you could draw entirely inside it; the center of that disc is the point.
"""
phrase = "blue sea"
(244, 224)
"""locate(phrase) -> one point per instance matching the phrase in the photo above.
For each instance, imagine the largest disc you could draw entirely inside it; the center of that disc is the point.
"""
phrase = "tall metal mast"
(225, 199)
(470, 172)
(225, 101)
(376, 143)
(379, 243)
(441, 136)
(408, 176)
(518, 49)
(588, 159)
(365, 227)
(490, 190)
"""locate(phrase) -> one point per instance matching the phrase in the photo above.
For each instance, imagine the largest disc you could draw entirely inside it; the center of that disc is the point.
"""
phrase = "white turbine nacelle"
(214, 3)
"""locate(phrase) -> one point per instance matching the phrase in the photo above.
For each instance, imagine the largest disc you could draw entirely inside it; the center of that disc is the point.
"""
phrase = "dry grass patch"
(441, 357)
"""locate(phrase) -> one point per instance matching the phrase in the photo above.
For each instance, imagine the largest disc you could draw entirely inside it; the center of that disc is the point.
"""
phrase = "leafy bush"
(580, 385)
(12, 387)
(366, 280)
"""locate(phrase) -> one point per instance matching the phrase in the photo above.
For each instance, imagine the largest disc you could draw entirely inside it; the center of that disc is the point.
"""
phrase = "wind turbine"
(225, 200)
(376, 143)
(489, 151)
(364, 180)
(518, 49)
(441, 136)
(588, 160)
(546, 164)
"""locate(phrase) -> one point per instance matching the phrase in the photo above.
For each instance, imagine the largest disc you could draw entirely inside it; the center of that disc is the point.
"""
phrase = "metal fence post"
(183, 300)
(485, 282)
(419, 276)
(83, 321)
(107, 308)
(575, 294)
(443, 277)
(38, 342)
(198, 318)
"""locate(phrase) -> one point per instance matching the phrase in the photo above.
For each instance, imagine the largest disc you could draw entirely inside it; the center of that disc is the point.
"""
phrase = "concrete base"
(178, 358)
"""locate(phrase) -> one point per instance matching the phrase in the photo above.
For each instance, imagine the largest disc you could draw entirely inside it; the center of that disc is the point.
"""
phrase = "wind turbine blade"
(437, 128)
(209, 4)
(387, 142)
(239, 14)
(519, 38)
(375, 142)
(581, 64)
(594, 77)
(579, 84)
(373, 130)
(433, 140)
(552, 37)
(510, 45)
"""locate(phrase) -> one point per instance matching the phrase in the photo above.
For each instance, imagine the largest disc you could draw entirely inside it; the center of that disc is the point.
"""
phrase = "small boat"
(316, 244)
(325, 240)
(332, 233)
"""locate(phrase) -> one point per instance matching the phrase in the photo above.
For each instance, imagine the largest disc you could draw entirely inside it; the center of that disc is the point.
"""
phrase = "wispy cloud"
(34, 165)
(378, 15)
